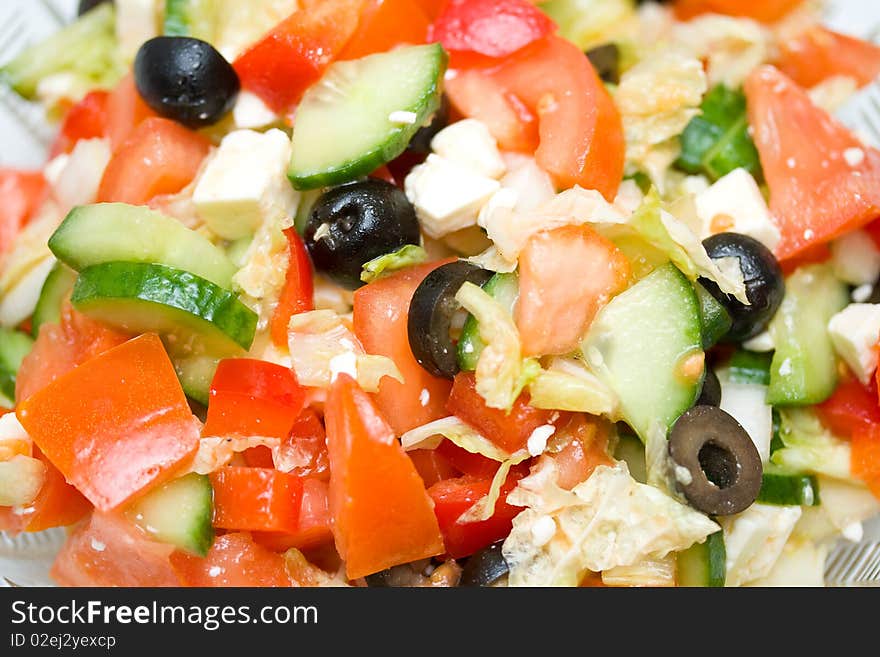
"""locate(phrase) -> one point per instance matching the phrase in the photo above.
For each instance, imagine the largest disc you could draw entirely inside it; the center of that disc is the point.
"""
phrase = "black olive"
(711, 393)
(485, 567)
(86, 5)
(722, 461)
(763, 280)
(350, 225)
(606, 60)
(185, 79)
(421, 141)
(430, 315)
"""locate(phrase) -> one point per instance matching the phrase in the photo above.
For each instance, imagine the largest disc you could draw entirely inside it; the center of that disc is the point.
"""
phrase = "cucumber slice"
(14, 346)
(716, 321)
(789, 489)
(179, 513)
(58, 285)
(750, 367)
(504, 288)
(191, 312)
(344, 126)
(703, 564)
(630, 449)
(195, 18)
(86, 48)
(195, 372)
(646, 345)
(105, 232)
(804, 367)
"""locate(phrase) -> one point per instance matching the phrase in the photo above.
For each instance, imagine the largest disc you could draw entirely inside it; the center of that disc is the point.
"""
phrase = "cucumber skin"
(195, 373)
(392, 146)
(197, 507)
(14, 346)
(750, 367)
(165, 286)
(58, 285)
(789, 490)
(502, 287)
(715, 320)
(703, 564)
(804, 367)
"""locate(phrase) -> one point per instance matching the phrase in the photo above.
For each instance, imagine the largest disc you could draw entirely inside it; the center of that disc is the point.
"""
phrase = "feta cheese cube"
(251, 112)
(245, 183)
(854, 332)
(470, 144)
(763, 342)
(533, 185)
(746, 403)
(447, 196)
(855, 258)
(754, 540)
(734, 203)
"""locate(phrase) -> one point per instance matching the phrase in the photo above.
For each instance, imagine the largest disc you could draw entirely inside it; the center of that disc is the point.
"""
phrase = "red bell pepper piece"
(467, 462)
(294, 54)
(313, 525)
(85, 120)
(851, 407)
(256, 499)
(493, 28)
(865, 456)
(385, 24)
(117, 425)
(298, 293)
(509, 431)
(818, 54)
(432, 466)
(233, 560)
(302, 453)
(159, 157)
(22, 193)
(252, 397)
(382, 516)
(767, 11)
(453, 497)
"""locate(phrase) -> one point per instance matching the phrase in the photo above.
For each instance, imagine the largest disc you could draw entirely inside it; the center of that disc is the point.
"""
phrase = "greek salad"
(442, 293)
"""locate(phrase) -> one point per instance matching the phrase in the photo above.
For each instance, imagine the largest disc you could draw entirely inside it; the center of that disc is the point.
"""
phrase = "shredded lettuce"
(809, 446)
(647, 572)
(216, 451)
(320, 342)
(501, 372)
(485, 507)
(567, 385)
(406, 256)
(429, 436)
(588, 23)
(610, 520)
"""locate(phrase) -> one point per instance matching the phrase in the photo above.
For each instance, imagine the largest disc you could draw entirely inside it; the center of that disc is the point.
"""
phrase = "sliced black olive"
(185, 79)
(606, 60)
(763, 280)
(723, 466)
(421, 141)
(86, 5)
(711, 393)
(485, 567)
(430, 315)
(354, 223)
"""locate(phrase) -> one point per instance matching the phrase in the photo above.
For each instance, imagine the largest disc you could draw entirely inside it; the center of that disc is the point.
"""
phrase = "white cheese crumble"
(98, 546)
(543, 530)
(403, 118)
(853, 532)
(537, 441)
(854, 156)
(862, 293)
(424, 397)
(344, 363)
(683, 475)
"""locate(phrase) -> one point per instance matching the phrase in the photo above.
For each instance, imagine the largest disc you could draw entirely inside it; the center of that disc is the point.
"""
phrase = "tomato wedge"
(61, 347)
(116, 425)
(385, 24)
(818, 53)
(578, 448)
(159, 157)
(22, 193)
(250, 397)
(108, 550)
(381, 312)
(294, 54)
(455, 496)
(85, 120)
(850, 407)
(302, 453)
(565, 276)
(509, 431)
(823, 181)
(256, 499)
(431, 466)
(125, 111)
(233, 560)
(865, 457)
(297, 295)
(766, 11)
(382, 515)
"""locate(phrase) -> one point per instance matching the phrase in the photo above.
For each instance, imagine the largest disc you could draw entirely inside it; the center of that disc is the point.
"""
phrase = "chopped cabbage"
(501, 372)
(320, 342)
(429, 436)
(485, 507)
(216, 451)
(754, 540)
(390, 262)
(809, 446)
(589, 23)
(609, 520)
(567, 385)
(802, 563)
(648, 572)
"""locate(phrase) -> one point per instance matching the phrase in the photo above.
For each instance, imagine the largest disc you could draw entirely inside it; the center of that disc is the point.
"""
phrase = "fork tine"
(11, 32)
